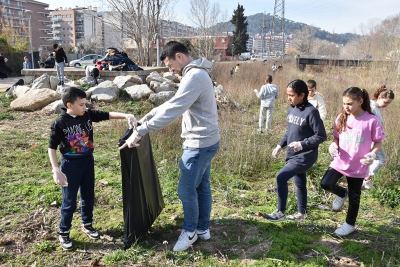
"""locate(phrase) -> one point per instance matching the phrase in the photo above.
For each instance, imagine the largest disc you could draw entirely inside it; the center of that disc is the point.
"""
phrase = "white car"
(259, 58)
(86, 60)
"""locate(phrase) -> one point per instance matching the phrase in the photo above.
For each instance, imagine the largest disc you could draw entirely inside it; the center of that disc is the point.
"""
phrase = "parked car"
(86, 60)
(259, 58)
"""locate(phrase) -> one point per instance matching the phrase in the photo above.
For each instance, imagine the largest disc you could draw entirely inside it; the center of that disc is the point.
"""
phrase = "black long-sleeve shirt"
(74, 135)
(61, 56)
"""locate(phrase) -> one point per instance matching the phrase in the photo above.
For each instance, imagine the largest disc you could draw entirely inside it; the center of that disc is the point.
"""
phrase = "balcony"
(55, 19)
(55, 32)
(56, 38)
(55, 25)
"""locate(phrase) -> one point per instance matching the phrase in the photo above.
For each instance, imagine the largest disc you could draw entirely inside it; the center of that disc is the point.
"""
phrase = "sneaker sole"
(92, 236)
(67, 249)
(275, 220)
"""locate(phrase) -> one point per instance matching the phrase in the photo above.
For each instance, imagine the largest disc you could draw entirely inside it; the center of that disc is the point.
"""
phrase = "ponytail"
(383, 92)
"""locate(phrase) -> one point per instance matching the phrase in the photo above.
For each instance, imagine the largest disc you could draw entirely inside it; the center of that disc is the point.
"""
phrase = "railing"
(55, 25)
(55, 19)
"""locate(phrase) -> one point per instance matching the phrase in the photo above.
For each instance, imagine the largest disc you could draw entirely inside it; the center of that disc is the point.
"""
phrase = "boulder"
(138, 92)
(172, 77)
(34, 99)
(41, 82)
(62, 88)
(160, 98)
(105, 91)
(53, 82)
(155, 76)
(127, 81)
(165, 87)
(53, 108)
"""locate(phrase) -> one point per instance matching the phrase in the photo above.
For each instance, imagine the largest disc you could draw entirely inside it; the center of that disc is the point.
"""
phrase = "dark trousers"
(329, 183)
(300, 181)
(80, 176)
(95, 73)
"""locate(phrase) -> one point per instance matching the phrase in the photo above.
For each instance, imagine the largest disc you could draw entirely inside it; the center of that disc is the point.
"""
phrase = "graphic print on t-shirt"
(351, 139)
(78, 139)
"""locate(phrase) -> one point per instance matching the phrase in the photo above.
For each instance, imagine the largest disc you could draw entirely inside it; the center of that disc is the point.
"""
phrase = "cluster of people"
(356, 149)
(358, 136)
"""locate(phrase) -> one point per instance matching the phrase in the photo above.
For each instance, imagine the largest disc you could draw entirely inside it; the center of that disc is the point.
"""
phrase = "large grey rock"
(41, 82)
(34, 99)
(105, 91)
(155, 76)
(126, 81)
(16, 91)
(154, 85)
(53, 108)
(160, 98)
(138, 92)
(165, 87)
(61, 88)
(172, 77)
(53, 82)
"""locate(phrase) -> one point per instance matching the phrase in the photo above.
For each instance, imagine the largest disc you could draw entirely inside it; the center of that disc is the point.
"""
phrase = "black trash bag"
(141, 191)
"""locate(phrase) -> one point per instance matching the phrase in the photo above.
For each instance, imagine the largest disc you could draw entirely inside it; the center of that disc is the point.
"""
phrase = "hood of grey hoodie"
(201, 63)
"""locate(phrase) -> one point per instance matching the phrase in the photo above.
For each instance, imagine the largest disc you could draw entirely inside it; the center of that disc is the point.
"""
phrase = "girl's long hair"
(357, 94)
(382, 92)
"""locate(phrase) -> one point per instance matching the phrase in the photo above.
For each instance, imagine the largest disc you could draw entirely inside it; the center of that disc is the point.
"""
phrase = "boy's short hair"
(171, 48)
(55, 46)
(311, 84)
(71, 94)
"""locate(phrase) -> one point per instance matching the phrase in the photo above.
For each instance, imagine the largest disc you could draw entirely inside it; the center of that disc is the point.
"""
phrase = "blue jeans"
(80, 176)
(194, 188)
(300, 181)
(60, 70)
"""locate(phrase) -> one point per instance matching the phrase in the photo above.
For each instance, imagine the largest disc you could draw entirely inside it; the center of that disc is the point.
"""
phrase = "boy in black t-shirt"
(72, 132)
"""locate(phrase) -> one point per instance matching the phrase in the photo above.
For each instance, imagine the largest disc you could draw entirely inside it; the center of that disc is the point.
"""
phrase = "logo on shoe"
(190, 238)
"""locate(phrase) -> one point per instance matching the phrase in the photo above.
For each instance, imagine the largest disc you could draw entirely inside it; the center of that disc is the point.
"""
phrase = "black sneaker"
(62, 83)
(90, 231)
(65, 241)
(59, 83)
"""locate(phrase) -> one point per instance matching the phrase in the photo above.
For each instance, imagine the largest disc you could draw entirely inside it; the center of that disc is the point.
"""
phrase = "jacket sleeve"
(317, 126)
(321, 108)
(65, 57)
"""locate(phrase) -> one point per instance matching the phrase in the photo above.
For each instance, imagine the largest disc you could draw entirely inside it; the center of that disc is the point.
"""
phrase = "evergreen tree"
(240, 36)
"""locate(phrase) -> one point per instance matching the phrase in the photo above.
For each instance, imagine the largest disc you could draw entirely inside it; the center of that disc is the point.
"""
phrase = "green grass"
(243, 187)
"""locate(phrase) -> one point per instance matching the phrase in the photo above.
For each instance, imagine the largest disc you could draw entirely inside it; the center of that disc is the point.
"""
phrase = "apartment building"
(15, 20)
(262, 45)
(176, 29)
(70, 26)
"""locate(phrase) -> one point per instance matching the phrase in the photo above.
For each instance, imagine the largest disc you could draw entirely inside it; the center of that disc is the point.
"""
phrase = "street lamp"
(29, 12)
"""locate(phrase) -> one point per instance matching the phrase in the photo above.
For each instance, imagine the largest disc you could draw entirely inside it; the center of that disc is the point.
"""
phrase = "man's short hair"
(268, 78)
(311, 84)
(55, 46)
(171, 48)
(72, 94)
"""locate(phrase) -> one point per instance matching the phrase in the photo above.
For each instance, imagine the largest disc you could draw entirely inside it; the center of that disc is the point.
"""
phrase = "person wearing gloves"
(305, 132)
(72, 132)
(316, 99)
(355, 131)
(92, 71)
(381, 98)
(195, 101)
(268, 93)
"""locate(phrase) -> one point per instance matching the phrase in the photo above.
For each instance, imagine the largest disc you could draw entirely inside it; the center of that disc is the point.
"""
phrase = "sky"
(339, 16)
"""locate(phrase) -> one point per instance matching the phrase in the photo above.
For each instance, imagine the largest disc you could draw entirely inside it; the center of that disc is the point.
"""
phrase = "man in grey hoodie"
(195, 101)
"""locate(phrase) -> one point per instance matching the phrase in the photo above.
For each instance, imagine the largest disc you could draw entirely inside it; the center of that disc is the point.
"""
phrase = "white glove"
(368, 159)
(131, 141)
(59, 177)
(142, 120)
(276, 151)
(132, 122)
(296, 146)
(333, 149)
(255, 91)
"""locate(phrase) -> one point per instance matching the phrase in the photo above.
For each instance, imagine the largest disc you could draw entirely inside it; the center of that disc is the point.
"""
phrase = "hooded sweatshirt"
(268, 93)
(61, 56)
(195, 101)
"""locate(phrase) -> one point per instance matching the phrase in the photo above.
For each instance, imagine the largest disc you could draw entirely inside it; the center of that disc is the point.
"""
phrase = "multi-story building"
(15, 20)
(262, 45)
(176, 29)
(72, 26)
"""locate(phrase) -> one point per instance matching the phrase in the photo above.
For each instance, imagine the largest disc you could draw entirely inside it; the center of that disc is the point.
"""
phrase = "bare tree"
(304, 40)
(205, 16)
(139, 20)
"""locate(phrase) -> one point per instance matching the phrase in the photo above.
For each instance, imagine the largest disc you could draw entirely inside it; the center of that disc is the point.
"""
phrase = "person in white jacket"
(268, 93)
(316, 99)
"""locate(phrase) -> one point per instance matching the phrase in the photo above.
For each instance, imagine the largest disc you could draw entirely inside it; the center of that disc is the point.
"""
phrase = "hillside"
(256, 21)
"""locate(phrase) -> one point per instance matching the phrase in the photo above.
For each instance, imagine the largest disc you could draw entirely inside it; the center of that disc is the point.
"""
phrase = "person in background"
(72, 132)
(237, 68)
(195, 101)
(381, 98)
(304, 133)
(49, 63)
(26, 65)
(92, 71)
(274, 68)
(316, 99)
(268, 93)
(357, 138)
(231, 71)
(61, 61)
(4, 69)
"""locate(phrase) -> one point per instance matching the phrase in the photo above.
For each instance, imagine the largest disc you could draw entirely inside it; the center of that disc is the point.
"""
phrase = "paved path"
(8, 82)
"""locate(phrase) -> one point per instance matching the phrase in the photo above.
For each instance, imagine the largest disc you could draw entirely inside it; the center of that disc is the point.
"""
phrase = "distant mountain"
(256, 23)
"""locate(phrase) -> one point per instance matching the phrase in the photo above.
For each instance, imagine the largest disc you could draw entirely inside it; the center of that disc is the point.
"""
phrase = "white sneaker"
(276, 216)
(367, 184)
(345, 229)
(185, 240)
(204, 235)
(297, 216)
(339, 201)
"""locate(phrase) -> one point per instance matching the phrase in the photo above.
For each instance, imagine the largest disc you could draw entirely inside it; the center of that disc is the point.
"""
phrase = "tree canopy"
(240, 35)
